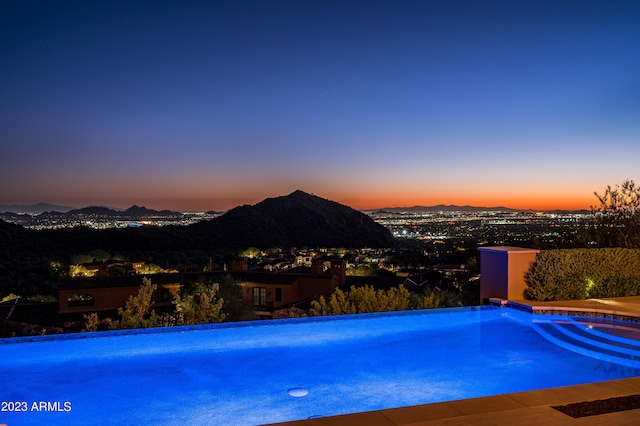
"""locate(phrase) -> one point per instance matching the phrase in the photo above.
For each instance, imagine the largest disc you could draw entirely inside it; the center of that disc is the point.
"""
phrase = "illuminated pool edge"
(236, 324)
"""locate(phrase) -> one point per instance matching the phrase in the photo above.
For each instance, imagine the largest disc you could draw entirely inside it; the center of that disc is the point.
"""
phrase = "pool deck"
(521, 408)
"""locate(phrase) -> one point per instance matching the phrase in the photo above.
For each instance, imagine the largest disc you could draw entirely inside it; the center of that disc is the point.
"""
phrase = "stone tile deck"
(521, 408)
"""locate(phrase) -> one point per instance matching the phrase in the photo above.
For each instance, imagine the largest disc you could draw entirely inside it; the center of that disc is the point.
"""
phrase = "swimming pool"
(273, 371)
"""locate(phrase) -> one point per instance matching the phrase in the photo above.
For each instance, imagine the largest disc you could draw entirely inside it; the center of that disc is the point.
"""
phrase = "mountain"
(583, 211)
(141, 212)
(296, 220)
(133, 212)
(33, 208)
(94, 211)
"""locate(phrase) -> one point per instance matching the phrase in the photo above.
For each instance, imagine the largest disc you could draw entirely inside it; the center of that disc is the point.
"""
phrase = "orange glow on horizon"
(357, 199)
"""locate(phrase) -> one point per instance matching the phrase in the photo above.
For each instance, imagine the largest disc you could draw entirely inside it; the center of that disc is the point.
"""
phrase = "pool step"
(582, 338)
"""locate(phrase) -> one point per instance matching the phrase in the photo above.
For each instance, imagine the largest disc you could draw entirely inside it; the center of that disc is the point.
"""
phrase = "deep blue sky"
(200, 105)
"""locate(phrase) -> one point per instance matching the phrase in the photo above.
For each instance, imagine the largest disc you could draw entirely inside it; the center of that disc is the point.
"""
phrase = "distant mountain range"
(133, 212)
(466, 209)
(296, 220)
(51, 209)
(445, 208)
(33, 208)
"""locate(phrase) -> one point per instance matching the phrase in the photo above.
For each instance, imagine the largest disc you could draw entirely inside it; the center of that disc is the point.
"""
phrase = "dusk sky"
(206, 105)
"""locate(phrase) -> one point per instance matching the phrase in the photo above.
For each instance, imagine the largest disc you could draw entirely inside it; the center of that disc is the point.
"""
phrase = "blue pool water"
(273, 371)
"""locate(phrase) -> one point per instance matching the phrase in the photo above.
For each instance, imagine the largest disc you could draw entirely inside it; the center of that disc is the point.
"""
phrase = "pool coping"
(580, 308)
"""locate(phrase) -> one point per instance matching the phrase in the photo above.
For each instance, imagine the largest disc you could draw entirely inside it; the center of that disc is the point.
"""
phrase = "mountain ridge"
(295, 220)
(134, 211)
(449, 208)
(468, 208)
(299, 219)
(37, 208)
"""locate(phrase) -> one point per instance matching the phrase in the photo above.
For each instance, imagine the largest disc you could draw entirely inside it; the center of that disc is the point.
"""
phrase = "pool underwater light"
(298, 392)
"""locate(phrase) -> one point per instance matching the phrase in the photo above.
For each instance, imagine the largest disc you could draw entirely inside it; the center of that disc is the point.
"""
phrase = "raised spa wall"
(502, 270)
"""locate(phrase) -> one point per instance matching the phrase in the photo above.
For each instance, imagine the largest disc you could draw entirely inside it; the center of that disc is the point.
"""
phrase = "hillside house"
(103, 293)
(268, 291)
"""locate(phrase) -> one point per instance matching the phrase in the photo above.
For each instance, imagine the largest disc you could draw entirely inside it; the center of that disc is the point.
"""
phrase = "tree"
(202, 307)
(150, 268)
(617, 217)
(235, 307)
(137, 312)
(361, 271)
(251, 252)
(80, 271)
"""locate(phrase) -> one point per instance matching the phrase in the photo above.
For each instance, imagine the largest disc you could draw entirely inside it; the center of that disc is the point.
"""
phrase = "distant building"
(270, 291)
(104, 268)
(103, 293)
(304, 259)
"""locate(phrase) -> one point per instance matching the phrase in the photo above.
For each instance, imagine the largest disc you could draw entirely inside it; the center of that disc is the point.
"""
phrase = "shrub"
(584, 273)
(359, 300)
(293, 312)
(91, 322)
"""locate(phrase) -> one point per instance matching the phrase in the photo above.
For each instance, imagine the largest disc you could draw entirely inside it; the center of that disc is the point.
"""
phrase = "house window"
(278, 294)
(259, 296)
(80, 299)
